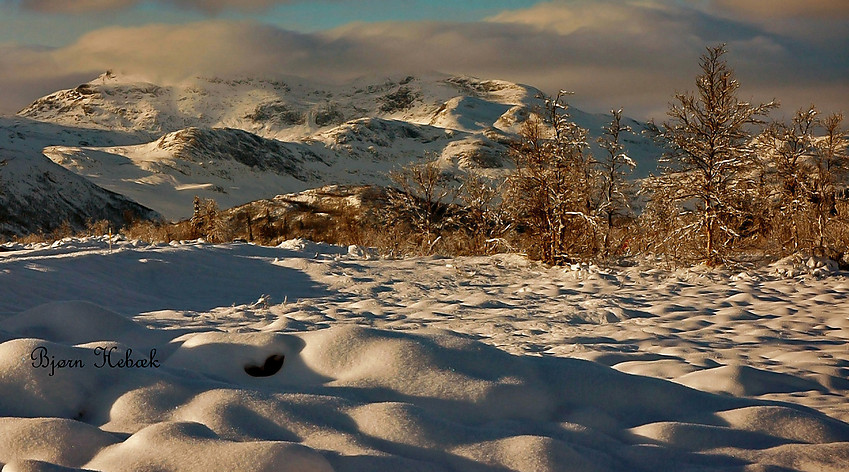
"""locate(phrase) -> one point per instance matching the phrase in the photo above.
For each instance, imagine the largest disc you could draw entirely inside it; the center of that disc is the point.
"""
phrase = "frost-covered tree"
(805, 166)
(614, 166)
(830, 169)
(786, 152)
(420, 200)
(709, 162)
(551, 194)
(483, 215)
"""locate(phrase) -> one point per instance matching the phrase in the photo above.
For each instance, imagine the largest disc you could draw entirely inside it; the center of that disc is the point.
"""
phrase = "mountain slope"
(234, 167)
(270, 108)
(36, 195)
(227, 165)
(241, 140)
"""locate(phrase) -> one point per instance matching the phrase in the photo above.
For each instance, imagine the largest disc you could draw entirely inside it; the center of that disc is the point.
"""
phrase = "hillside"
(236, 141)
(36, 195)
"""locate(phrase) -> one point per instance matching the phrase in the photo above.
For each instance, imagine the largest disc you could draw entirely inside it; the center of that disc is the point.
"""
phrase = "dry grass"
(335, 221)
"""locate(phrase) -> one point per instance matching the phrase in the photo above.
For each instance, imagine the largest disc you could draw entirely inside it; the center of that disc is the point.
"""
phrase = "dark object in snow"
(272, 366)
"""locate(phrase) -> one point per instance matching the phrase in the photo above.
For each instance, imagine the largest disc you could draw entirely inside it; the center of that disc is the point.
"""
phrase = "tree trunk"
(709, 238)
(250, 230)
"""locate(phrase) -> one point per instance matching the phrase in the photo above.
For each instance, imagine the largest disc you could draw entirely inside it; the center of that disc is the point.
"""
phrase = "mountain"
(240, 140)
(283, 109)
(228, 165)
(36, 195)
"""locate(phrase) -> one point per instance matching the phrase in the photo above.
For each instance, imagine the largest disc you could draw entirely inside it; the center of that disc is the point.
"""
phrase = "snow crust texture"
(310, 357)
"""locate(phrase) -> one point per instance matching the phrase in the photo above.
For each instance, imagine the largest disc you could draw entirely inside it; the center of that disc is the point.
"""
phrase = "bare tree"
(616, 191)
(421, 200)
(551, 194)
(804, 170)
(484, 216)
(709, 162)
(787, 151)
(830, 168)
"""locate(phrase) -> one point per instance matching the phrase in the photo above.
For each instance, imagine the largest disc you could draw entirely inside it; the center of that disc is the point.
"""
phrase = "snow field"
(309, 357)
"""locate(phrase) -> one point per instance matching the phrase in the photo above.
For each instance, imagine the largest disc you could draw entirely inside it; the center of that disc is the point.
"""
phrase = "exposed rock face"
(199, 145)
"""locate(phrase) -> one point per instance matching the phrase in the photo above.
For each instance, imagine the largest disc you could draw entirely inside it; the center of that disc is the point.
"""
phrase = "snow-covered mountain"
(240, 140)
(228, 165)
(283, 109)
(36, 195)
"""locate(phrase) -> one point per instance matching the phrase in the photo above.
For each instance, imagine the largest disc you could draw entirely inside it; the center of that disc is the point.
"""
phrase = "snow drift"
(324, 360)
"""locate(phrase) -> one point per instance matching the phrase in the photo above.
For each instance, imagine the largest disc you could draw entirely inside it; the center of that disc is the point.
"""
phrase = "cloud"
(771, 9)
(612, 54)
(819, 22)
(85, 6)
(78, 6)
(168, 52)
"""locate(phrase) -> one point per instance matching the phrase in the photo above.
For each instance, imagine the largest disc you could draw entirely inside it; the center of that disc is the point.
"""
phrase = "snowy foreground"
(310, 357)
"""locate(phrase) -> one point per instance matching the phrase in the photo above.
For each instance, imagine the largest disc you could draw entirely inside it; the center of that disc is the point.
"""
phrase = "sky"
(634, 54)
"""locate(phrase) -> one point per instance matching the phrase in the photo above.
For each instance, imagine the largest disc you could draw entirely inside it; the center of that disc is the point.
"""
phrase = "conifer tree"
(709, 161)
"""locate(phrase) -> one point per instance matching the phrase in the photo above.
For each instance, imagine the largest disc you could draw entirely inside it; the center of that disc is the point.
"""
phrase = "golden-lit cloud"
(78, 6)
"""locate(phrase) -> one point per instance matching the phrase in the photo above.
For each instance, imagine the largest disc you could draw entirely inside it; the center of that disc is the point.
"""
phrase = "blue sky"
(630, 53)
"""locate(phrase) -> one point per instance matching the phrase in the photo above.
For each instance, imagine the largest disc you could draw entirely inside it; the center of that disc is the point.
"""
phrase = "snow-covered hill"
(36, 195)
(228, 165)
(240, 140)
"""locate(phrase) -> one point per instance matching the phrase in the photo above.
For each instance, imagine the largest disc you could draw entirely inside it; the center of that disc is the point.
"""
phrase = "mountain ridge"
(239, 140)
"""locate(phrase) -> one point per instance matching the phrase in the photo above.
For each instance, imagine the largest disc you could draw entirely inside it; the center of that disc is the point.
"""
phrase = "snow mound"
(360, 392)
(78, 322)
(194, 447)
(240, 357)
(792, 424)
(699, 437)
(136, 277)
(802, 264)
(308, 247)
(73, 443)
(742, 380)
(343, 363)
(34, 380)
